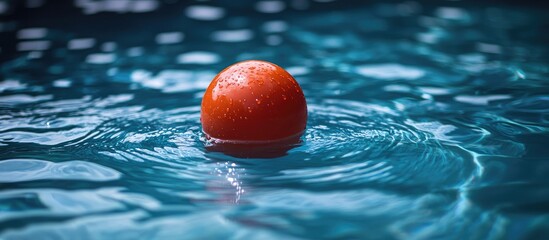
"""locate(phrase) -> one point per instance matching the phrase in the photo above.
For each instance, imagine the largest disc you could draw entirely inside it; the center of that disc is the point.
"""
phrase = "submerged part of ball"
(253, 102)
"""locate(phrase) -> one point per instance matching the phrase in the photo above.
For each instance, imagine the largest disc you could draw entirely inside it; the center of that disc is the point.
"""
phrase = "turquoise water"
(425, 121)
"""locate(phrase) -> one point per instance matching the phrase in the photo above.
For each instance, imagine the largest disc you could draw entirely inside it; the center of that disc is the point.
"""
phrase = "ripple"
(100, 58)
(58, 203)
(370, 201)
(198, 57)
(38, 45)
(298, 70)
(270, 6)
(50, 129)
(435, 90)
(62, 83)
(32, 33)
(11, 85)
(81, 43)
(390, 71)
(152, 137)
(169, 37)
(22, 99)
(452, 13)
(136, 224)
(352, 144)
(205, 13)
(533, 104)
(439, 130)
(45, 138)
(481, 100)
(140, 6)
(80, 227)
(237, 35)
(135, 51)
(172, 80)
(21, 170)
(275, 26)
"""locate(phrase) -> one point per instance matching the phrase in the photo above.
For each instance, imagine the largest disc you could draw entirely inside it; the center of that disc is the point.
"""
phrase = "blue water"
(426, 121)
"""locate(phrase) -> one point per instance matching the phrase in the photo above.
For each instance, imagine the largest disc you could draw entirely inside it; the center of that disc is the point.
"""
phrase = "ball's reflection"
(255, 150)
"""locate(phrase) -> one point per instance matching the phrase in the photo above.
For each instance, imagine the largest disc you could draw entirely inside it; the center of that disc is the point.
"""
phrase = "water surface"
(425, 121)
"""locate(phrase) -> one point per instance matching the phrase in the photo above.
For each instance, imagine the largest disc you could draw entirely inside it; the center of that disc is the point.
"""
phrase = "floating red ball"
(253, 102)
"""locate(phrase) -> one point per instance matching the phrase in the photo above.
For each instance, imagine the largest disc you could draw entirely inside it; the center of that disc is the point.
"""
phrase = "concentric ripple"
(18, 170)
(351, 144)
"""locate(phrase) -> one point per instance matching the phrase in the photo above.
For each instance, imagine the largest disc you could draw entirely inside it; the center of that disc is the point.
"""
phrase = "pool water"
(426, 121)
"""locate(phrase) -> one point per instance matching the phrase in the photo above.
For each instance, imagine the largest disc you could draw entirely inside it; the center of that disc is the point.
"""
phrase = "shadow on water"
(256, 150)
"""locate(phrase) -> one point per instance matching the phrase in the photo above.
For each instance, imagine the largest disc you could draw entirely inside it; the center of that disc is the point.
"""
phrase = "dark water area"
(427, 120)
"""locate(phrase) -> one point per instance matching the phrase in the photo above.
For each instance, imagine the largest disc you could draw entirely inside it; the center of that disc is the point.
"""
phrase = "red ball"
(253, 102)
